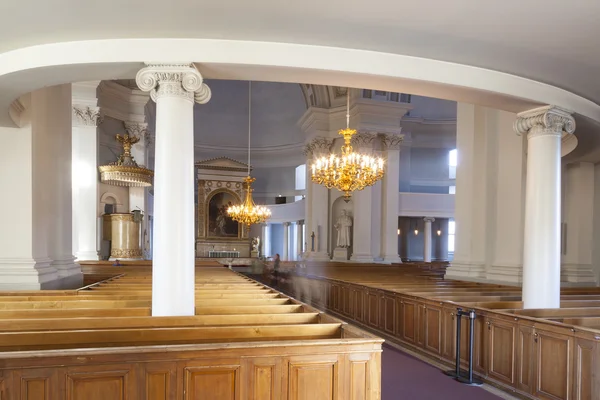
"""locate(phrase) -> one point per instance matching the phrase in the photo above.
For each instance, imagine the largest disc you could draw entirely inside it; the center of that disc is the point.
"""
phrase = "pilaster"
(390, 194)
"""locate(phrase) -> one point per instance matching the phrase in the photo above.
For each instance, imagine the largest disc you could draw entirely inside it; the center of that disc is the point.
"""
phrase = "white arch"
(27, 69)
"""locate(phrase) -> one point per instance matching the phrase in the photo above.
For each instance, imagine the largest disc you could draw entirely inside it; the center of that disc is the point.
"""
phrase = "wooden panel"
(389, 314)
(433, 329)
(449, 335)
(312, 381)
(358, 380)
(160, 382)
(373, 309)
(553, 365)
(525, 358)
(409, 319)
(420, 325)
(211, 382)
(3, 388)
(584, 367)
(399, 318)
(501, 350)
(264, 380)
(101, 383)
(358, 305)
(35, 384)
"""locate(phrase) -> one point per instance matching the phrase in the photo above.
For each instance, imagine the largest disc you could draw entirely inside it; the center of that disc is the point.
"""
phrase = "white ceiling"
(550, 41)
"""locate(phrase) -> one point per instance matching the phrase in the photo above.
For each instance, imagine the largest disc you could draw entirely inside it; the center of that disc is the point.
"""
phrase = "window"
(452, 162)
(452, 189)
(300, 180)
(451, 231)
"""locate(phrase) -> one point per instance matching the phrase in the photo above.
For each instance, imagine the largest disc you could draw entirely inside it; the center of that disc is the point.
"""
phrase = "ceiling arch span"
(27, 69)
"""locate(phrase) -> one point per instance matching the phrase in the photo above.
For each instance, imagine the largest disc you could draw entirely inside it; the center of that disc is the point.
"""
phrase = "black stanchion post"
(456, 372)
(469, 380)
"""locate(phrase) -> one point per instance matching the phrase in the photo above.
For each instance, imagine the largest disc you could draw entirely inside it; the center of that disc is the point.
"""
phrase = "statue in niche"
(343, 225)
(255, 243)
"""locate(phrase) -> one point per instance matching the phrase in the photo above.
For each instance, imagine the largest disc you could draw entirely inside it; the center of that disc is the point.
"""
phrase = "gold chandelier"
(351, 171)
(249, 213)
(125, 171)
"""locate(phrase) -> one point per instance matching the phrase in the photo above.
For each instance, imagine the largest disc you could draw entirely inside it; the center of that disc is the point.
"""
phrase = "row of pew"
(245, 341)
(541, 354)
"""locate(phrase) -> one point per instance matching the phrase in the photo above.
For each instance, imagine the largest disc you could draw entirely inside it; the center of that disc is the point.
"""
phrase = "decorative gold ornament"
(125, 171)
(249, 213)
(349, 172)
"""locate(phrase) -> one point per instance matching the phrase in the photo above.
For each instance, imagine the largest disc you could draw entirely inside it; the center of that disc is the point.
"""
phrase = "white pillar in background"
(318, 196)
(427, 238)
(174, 88)
(263, 239)
(544, 127)
(391, 189)
(299, 239)
(362, 203)
(137, 195)
(85, 176)
(286, 241)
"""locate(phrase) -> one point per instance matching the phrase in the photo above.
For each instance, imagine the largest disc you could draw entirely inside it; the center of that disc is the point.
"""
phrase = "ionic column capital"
(429, 219)
(86, 115)
(173, 80)
(287, 224)
(300, 222)
(545, 121)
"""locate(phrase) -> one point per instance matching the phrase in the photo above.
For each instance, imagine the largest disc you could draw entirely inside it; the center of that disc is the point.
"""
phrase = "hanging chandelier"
(351, 171)
(249, 213)
(125, 171)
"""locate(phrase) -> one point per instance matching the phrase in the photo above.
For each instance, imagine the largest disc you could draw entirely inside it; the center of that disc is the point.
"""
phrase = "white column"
(85, 177)
(263, 240)
(544, 127)
(299, 239)
(286, 241)
(319, 199)
(427, 239)
(391, 189)
(137, 195)
(174, 88)
(362, 202)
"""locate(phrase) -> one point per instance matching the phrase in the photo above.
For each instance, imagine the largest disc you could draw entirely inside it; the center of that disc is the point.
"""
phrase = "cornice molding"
(122, 103)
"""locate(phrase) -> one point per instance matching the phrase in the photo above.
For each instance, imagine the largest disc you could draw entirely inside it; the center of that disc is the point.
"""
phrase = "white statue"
(343, 225)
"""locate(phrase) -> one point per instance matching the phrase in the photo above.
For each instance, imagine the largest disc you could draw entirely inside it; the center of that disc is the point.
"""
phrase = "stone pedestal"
(254, 254)
(341, 254)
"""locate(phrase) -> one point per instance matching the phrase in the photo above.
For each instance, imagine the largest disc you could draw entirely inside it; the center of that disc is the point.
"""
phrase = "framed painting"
(220, 223)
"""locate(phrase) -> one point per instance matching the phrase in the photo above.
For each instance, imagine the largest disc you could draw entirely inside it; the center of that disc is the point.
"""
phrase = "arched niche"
(336, 210)
(110, 198)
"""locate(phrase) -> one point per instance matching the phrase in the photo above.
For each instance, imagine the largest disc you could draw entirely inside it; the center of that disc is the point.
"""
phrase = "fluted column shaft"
(174, 88)
(299, 239)
(544, 127)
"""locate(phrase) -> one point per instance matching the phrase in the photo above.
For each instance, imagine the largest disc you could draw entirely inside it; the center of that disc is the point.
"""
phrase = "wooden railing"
(245, 342)
(513, 349)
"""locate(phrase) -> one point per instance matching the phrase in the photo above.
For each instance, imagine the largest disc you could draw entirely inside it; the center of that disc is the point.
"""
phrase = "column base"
(32, 274)
(69, 273)
(466, 271)
(362, 258)
(392, 259)
(506, 274)
(577, 275)
(87, 256)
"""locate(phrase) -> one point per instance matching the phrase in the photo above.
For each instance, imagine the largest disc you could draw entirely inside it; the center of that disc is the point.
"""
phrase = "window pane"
(453, 158)
(451, 189)
(451, 243)
(301, 177)
(451, 227)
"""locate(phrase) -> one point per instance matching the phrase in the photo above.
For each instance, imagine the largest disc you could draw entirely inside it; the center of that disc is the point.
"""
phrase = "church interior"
(267, 202)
